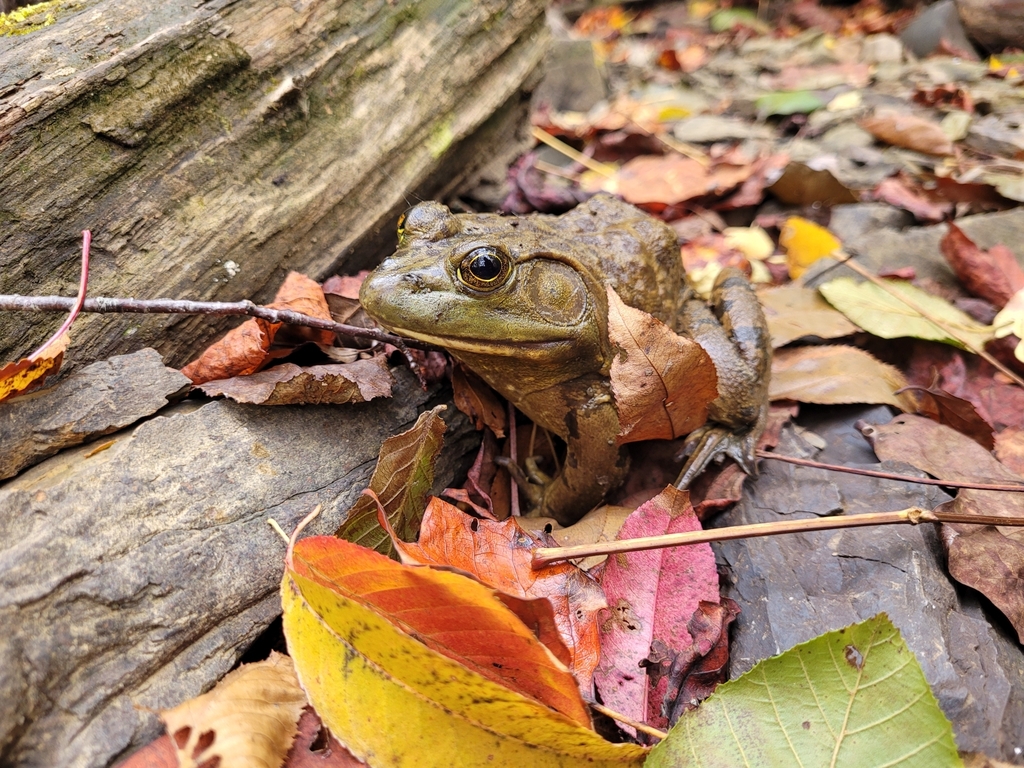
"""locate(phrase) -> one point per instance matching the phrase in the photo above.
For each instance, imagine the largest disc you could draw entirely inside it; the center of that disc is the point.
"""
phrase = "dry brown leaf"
(663, 383)
(474, 398)
(945, 408)
(908, 131)
(672, 179)
(288, 384)
(896, 192)
(30, 373)
(794, 311)
(836, 375)
(598, 525)
(299, 293)
(250, 718)
(988, 558)
(993, 275)
(1010, 449)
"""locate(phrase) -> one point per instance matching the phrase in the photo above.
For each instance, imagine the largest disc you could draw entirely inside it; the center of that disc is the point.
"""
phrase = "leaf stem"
(891, 475)
(913, 515)
(642, 727)
(103, 305)
(74, 305)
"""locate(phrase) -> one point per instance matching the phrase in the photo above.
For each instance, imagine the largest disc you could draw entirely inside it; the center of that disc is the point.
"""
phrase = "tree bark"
(213, 146)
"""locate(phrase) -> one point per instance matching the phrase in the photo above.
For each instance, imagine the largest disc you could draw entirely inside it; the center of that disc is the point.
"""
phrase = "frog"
(522, 302)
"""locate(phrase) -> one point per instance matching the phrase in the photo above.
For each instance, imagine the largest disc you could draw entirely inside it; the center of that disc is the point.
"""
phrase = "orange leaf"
(247, 348)
(29, 373)
(240, 352)
(672, 179)
(500, 554)
(663, 383)
(454, 616)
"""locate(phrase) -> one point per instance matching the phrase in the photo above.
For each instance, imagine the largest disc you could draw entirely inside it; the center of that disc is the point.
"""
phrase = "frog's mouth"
(540, 350)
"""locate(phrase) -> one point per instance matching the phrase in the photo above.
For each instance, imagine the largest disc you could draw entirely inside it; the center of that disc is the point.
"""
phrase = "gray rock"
(883, 48)
(935, 24)
(94, 401)
(705, 129)
(851, 221)
(795, 587)
(133, 579)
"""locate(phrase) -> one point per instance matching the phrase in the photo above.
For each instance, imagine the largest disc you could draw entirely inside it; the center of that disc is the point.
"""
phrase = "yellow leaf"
(252, 714)
(395, 702)
(805, 242)
(752, 242)
(1010, 321)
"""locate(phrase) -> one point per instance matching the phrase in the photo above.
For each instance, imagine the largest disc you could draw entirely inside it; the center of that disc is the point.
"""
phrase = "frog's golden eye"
(485, 268)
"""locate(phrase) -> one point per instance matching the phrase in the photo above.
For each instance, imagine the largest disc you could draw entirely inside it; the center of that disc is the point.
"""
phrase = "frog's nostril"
(415, 280)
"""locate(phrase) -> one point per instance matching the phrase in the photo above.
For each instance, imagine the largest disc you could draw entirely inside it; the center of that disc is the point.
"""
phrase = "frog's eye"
(485, 269)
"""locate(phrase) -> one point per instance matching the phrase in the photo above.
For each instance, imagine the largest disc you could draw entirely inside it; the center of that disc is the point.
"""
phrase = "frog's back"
(633, 252)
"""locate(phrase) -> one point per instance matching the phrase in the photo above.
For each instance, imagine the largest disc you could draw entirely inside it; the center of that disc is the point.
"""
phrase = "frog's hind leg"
(734, 333)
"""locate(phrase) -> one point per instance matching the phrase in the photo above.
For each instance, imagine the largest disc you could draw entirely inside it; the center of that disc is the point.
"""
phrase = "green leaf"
(884, 315)
(728, 19)
(402, 481)
(855, 697)
(789, 103)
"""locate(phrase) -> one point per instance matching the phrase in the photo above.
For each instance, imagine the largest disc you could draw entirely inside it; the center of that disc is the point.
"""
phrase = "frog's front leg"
(733, 331)
(594, 464)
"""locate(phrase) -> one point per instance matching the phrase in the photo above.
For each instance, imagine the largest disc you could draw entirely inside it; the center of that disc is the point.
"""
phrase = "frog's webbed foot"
(713, 442)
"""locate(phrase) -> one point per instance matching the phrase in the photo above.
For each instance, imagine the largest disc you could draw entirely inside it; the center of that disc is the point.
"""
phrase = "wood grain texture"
(211, 147)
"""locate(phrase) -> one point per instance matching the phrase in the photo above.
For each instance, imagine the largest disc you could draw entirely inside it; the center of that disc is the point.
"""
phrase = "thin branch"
(642, 727)
(179, 307)
(75, 305)
(891, 475)
(544, 555)
(560, 146)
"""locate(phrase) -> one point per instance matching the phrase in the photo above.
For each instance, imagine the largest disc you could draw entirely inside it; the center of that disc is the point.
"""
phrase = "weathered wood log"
(132, 578)
(213, 146)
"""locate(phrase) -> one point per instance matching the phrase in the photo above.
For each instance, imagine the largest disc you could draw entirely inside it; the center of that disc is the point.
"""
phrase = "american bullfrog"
(521, 301)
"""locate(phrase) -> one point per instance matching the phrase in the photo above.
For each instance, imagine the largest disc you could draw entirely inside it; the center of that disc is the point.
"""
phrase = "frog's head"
(487, 286)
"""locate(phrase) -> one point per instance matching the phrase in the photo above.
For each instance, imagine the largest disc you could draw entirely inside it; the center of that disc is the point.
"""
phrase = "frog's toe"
(709, 444)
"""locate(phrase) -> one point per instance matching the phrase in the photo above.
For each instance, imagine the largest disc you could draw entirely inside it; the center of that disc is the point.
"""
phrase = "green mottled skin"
(539, 336)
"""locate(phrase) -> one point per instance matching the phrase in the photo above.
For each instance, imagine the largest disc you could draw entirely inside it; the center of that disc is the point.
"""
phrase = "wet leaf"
(988, 558)
(836, 375)
(402, 481)
(993, 275)
(805, 242)
(856, 696)
(30, 373)
(287, 384)
(663, 383)
(884, 315)
(794, 311)
(394, 699)
(651, 596)
(250, 718)
(500, 554)
(908, 131)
